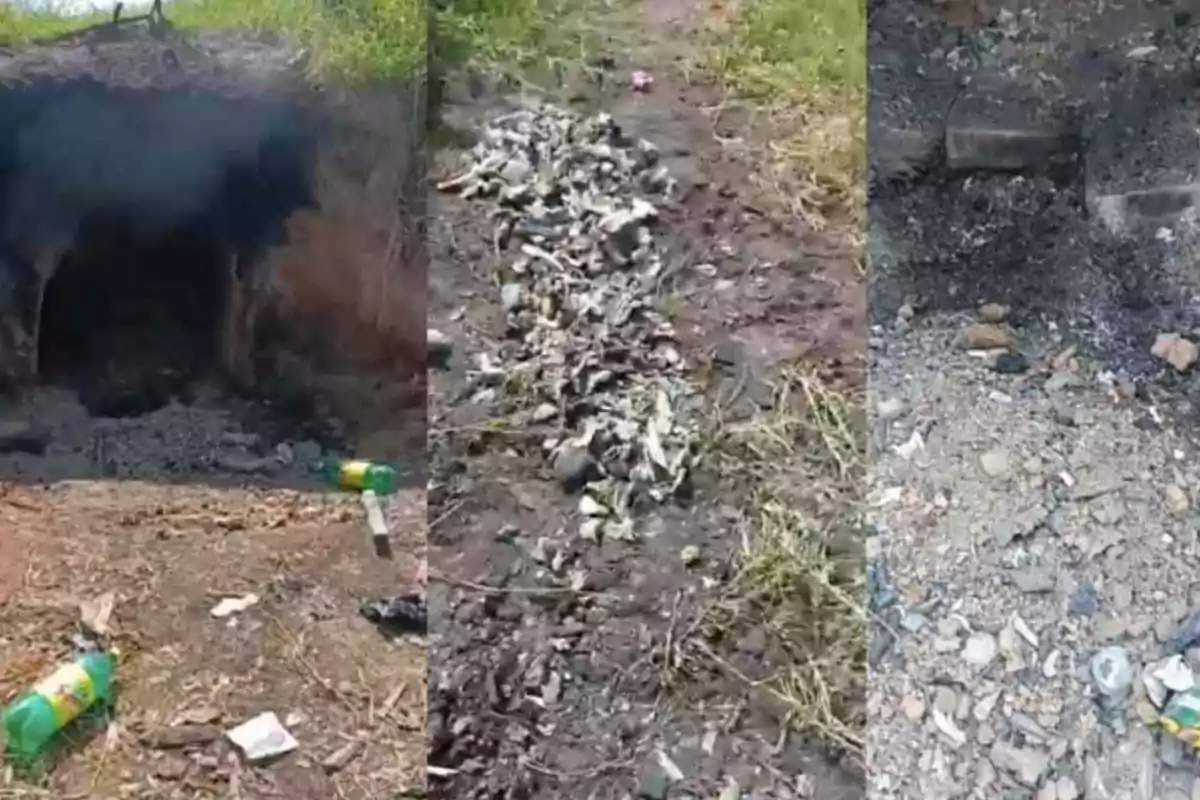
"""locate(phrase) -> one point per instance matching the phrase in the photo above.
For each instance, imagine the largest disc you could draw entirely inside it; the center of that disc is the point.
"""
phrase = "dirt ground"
(505, 627)
(165, 512)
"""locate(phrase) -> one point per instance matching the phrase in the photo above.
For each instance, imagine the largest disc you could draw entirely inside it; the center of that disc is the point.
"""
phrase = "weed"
(801, 577)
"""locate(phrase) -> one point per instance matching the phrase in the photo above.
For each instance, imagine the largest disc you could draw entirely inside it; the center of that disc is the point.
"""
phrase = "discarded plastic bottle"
(359, 475)
(34, 718)
(1181, 717)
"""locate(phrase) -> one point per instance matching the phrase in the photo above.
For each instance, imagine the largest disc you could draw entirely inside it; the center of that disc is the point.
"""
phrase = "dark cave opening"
(132, 322)
(127, 216)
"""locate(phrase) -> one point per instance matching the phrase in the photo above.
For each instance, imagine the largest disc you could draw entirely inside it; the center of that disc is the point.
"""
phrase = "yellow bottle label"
(69, 691)
(354, 474)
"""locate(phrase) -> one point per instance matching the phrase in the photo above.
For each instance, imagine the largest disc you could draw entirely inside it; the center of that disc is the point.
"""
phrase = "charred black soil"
(1037, 235)
(166, 254)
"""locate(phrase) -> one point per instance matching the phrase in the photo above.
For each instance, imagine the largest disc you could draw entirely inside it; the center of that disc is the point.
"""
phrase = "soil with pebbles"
(1038, 519)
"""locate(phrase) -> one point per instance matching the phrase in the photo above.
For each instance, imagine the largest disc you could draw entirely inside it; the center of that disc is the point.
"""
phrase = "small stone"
(890, 408)
(439, 347)
(1085, 601)
(1048, 792)
(1170, 751)
(994, 462)
(985, 775)
(339, 759)
(171, 769)
(1060, 381)
(654, 785)
(993, 313)
(949, 627)
(545, 412)
(945, 700)
(1035, 580)
(178, 736)
(1177, 501)
(1025, 763)
(980, 649)
(690, 555)
(1175, 350)
(511, 296)
(906, 312)
(914, 622)
(1011, 364)
(574, 467)
(984, 336)
(913, 707)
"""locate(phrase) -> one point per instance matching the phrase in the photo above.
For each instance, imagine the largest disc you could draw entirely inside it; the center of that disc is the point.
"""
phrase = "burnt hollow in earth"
(197, 244)
(161, 203)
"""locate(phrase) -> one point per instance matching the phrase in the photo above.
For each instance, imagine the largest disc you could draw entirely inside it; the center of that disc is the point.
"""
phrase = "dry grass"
(801, 579)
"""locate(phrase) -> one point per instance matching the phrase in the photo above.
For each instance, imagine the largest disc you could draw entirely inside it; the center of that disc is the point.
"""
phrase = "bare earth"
(170, 543)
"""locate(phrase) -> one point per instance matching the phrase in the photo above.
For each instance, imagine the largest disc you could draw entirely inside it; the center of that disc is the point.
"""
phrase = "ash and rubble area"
(48, 436)
(546, 673)
(587, 352)
(1033, 476)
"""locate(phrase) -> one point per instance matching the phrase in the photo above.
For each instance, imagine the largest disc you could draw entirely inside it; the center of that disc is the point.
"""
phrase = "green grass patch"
(353, 39)
(806, 61)
(524, 38)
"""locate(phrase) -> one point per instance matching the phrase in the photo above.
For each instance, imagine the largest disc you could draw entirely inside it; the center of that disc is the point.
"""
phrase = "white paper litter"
(262, 738)
(233, 605)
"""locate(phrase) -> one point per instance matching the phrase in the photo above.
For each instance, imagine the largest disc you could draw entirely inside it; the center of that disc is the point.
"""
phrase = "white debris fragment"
(233, 605)
(262, 738)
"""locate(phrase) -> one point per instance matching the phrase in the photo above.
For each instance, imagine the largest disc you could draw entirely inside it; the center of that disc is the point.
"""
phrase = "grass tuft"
(536, 41)
(802, 566)
(804, 61)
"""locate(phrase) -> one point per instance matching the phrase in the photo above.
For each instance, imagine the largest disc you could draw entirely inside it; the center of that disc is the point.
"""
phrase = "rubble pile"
(586, 353)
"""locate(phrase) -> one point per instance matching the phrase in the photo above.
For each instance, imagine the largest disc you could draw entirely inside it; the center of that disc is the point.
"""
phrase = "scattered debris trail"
(586, 349)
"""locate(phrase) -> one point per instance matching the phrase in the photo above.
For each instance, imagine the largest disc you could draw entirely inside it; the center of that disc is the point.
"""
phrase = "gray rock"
(307, 451)
(1035, 580)
(439, 348)
(898, 153)
(511, 296)
(1026, 764)
(654, 785)
(20, 436)
(574, 467)
(980, 649)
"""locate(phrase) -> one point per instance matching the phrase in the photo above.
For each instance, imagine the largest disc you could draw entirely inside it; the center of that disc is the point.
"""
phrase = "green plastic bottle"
(1181, 717)
(359, 475)
(34, 718)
